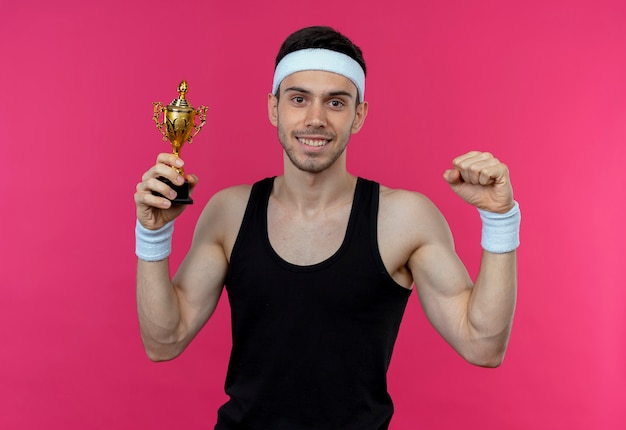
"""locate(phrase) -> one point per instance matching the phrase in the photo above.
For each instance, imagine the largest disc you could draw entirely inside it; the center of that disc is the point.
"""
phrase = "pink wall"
(540, 83)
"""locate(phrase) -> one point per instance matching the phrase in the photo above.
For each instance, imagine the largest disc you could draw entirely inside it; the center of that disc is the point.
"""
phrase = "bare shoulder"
(398, 196)
(222, 216)
(230, 198)
(396, 203)
(412, 215)
(407, 222)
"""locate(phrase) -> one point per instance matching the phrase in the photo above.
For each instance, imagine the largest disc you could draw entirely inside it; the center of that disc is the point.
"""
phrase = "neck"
(312, 192)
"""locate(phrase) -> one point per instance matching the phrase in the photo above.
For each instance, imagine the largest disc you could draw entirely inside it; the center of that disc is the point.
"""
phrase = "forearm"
(158, 309)
(491, 306)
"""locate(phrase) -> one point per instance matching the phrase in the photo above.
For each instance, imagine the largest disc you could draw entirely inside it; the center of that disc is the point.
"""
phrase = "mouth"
(315, 142)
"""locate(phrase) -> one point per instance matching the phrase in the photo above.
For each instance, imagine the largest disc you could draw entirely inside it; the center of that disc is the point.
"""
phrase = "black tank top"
(311, 344)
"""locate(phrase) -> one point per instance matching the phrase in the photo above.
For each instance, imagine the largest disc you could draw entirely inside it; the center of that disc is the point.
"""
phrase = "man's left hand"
(481, 180)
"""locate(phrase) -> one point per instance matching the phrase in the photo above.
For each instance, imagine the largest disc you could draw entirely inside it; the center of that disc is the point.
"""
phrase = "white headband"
(320, 59)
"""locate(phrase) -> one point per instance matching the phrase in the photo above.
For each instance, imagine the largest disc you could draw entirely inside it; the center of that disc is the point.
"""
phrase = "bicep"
(199, 280)
(441, 281)
(199, 283)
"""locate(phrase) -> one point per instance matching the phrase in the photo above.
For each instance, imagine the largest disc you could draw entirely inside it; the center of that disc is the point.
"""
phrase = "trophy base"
(182, 192)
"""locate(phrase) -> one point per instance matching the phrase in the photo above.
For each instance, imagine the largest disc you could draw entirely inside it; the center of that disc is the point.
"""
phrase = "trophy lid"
(182, 91)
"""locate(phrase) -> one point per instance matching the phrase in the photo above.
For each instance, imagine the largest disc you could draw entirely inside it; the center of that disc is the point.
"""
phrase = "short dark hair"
(321, 37)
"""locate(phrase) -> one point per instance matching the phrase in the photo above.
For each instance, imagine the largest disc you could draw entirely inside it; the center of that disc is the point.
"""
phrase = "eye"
(336, 104)
(298, 100)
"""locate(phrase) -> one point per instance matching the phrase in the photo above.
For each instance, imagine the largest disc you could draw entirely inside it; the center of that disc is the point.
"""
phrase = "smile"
(313, 142)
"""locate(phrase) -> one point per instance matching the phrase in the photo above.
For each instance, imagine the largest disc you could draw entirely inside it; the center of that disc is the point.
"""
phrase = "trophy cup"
(179, 126)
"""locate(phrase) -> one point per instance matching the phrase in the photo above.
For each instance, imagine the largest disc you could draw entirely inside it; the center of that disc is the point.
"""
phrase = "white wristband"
(153, 245)
(500, 232)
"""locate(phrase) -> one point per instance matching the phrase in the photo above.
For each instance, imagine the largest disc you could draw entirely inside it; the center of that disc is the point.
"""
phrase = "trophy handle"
(158, 110)
(201, 113)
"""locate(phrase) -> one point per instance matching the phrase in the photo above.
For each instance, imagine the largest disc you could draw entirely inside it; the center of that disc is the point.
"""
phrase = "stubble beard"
(311, 163)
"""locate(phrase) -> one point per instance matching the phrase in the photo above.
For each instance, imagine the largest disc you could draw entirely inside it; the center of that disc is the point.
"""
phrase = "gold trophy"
(179, 126)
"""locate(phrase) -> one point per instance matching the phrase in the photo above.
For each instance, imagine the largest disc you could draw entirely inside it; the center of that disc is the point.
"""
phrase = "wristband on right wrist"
(500, 232)
(153, 245)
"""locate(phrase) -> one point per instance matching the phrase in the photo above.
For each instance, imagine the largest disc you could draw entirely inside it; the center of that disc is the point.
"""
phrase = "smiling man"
(319, 264)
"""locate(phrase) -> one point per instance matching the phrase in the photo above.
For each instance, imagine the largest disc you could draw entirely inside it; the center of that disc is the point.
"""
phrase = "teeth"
(312, 142)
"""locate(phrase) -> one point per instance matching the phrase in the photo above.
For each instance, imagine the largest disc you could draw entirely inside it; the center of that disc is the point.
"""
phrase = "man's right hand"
(153, 212)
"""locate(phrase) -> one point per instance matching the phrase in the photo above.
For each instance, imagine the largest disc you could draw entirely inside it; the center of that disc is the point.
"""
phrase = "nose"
(316, 115)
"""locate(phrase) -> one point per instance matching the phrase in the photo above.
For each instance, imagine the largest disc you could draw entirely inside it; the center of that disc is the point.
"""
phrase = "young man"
(319, 264)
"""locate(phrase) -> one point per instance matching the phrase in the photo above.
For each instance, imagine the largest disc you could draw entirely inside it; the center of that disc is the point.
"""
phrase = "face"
(315, 116)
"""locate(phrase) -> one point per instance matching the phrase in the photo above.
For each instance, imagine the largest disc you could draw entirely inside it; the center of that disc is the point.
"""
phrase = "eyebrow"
(331, 93)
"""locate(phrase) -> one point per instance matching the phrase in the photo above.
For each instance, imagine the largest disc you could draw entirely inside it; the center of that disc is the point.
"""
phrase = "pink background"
(540, 83)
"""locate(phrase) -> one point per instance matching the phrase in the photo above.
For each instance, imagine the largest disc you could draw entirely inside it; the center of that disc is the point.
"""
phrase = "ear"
(359, 119)
(272, 109)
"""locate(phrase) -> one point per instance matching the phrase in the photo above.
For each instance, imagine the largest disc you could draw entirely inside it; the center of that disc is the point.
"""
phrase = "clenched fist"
(481, 180)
